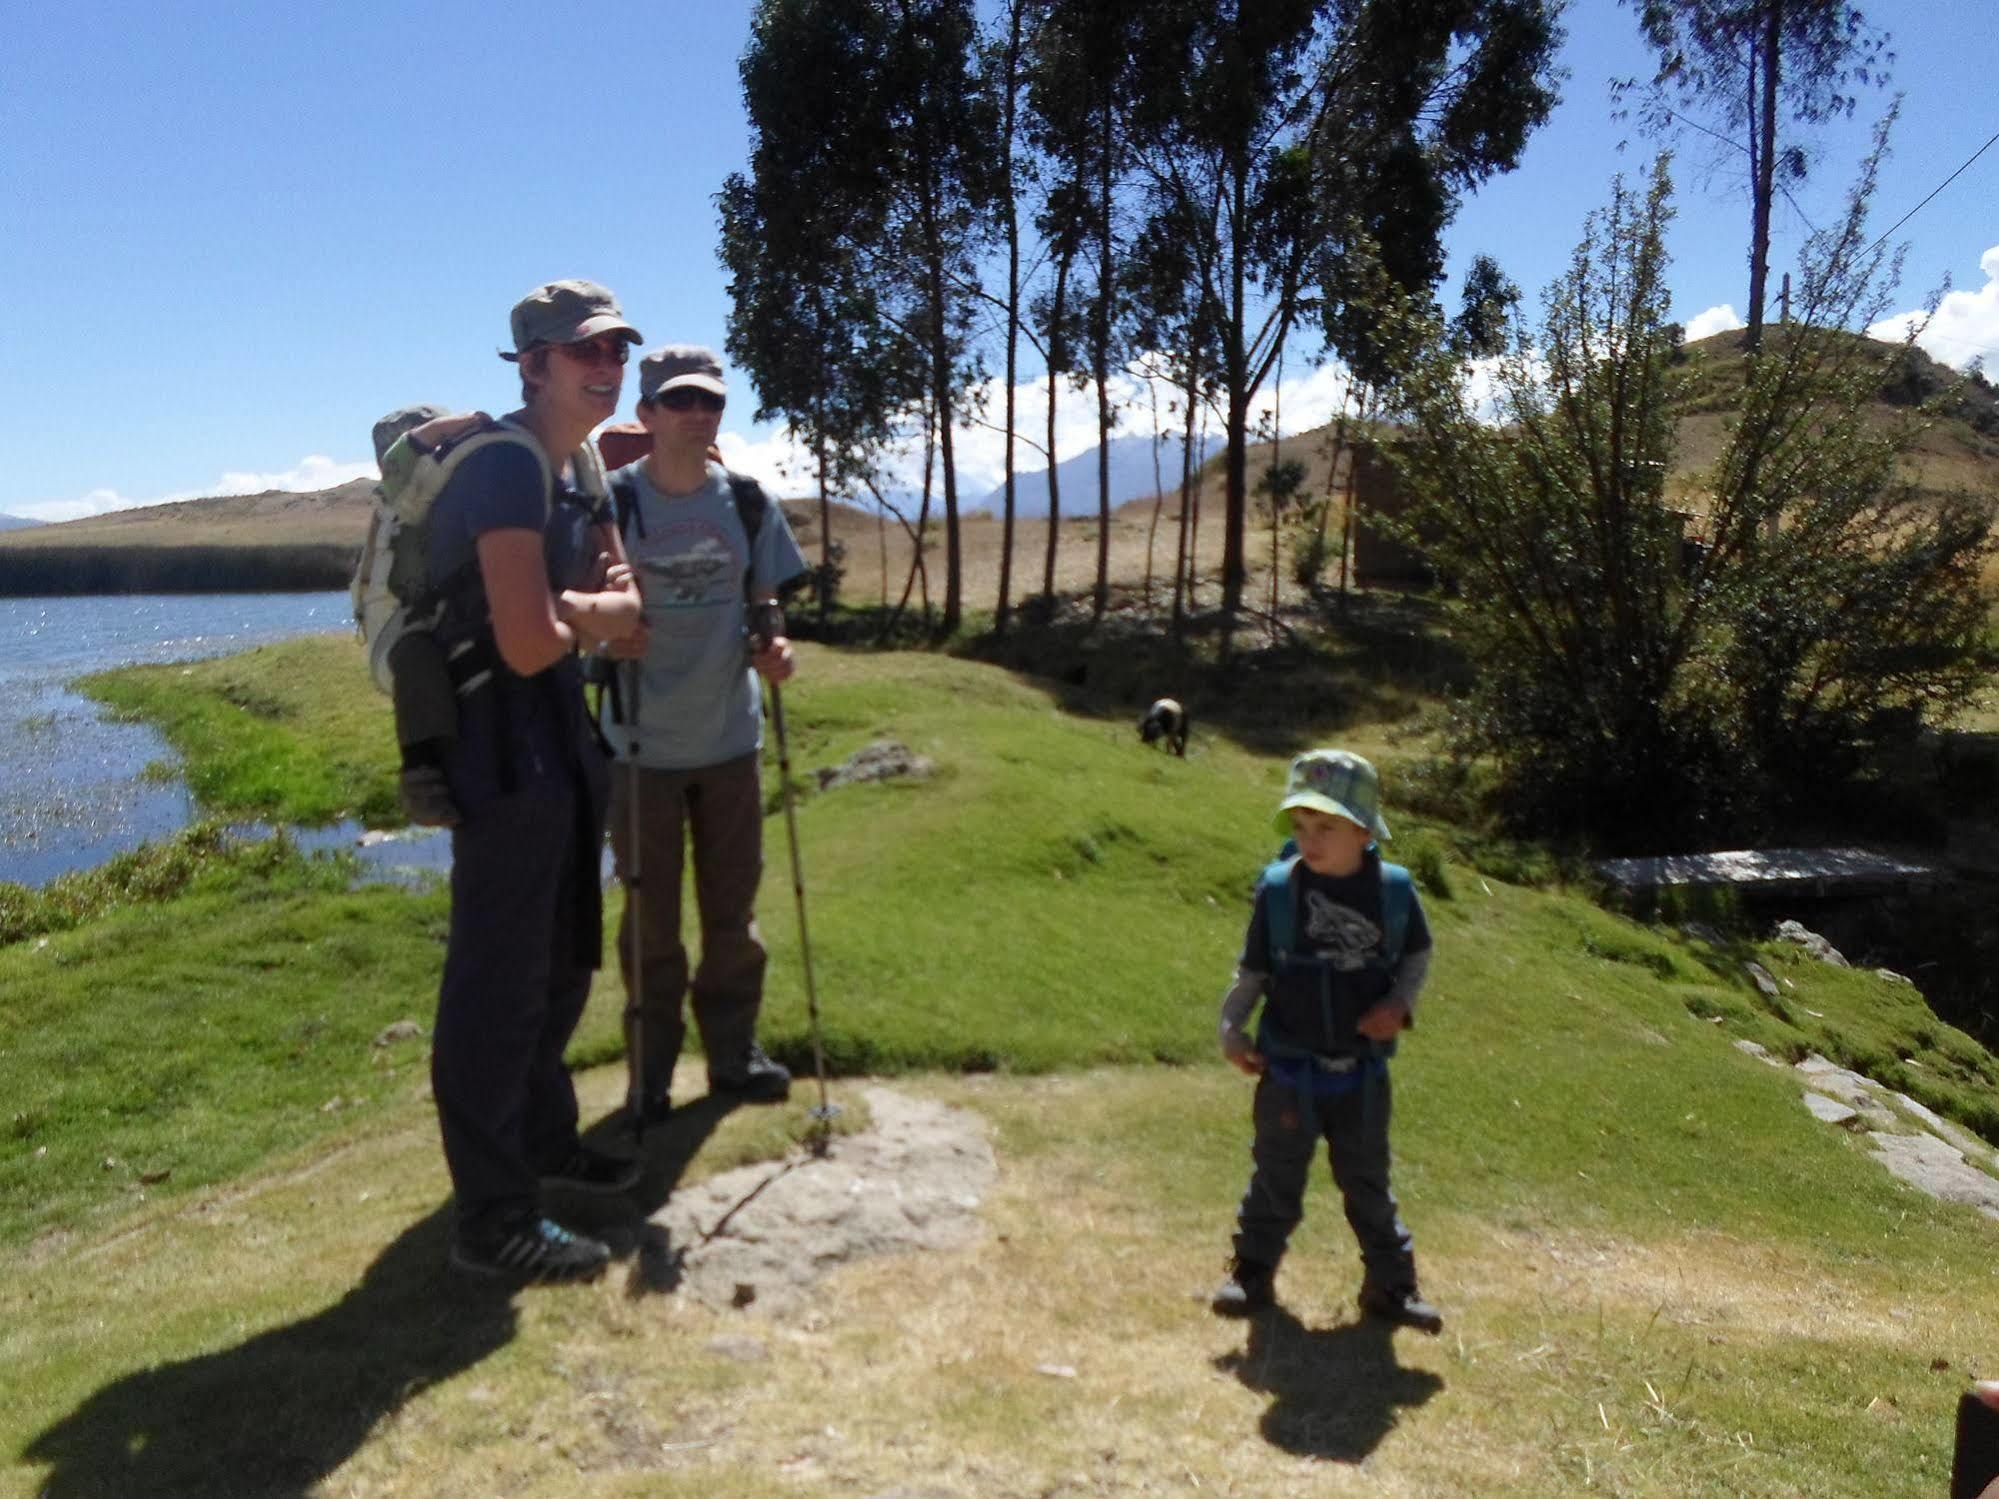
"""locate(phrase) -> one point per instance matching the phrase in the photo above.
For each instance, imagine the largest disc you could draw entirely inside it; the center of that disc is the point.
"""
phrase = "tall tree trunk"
(1101, 357)
(1158, 491)
(1764, 164)
(1235, 373)
(1004, 606)
(1058, 309)
(825, 525)
(1180, 559)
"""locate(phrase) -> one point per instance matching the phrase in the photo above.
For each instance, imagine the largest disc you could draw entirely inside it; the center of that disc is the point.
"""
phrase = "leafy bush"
(1659, 677)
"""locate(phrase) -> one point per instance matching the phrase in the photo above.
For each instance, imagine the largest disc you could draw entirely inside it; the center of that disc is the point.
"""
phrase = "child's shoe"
(1402, 1305)
(1246, 1291)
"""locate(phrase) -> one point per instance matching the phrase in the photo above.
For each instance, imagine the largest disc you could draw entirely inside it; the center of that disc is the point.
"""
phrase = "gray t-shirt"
(699, 704)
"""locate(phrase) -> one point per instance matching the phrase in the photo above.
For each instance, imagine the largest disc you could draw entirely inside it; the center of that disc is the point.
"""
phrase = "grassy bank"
(292, 732)
(1663, 1276)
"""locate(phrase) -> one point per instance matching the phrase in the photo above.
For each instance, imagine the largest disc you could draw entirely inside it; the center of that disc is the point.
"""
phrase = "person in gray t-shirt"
(705, 549)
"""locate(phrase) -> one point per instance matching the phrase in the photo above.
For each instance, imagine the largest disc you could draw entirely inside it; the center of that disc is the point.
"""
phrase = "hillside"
(312, 537)
(223, 1224)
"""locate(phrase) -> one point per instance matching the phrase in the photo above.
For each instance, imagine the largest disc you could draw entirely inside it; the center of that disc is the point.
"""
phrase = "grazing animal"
(1166, 720)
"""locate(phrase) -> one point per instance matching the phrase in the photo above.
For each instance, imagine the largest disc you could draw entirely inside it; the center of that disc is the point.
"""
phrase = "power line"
(1934, 191)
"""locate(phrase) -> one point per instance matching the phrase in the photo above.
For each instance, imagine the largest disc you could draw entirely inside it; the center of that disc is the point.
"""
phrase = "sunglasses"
(605, 348)
(690, 398)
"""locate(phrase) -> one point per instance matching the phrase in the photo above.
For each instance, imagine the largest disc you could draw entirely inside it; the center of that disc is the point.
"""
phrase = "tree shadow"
(275, 1415)
(1337, 1389)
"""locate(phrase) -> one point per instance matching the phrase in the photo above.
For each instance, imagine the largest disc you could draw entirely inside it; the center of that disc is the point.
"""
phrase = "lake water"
(74, 785)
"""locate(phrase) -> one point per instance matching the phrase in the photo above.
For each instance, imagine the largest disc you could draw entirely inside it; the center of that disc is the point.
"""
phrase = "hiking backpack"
(1278, 891)
(391, 591)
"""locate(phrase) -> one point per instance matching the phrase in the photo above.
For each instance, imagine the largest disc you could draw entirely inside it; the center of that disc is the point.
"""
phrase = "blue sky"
(238, 233)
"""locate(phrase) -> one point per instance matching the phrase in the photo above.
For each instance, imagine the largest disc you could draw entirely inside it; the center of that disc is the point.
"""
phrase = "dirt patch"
(760, 1236)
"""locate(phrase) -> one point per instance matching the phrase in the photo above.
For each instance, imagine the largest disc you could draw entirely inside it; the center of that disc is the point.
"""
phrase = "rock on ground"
(884, 760)
(1811, 942)
(1936, 1167)
(758, 1237)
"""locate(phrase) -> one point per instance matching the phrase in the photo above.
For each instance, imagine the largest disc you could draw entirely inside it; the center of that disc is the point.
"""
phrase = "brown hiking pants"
(719, 808)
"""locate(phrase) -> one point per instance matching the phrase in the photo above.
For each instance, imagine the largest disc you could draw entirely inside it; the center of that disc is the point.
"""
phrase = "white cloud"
(1965, 326)
(314, 471)
(1715, 320)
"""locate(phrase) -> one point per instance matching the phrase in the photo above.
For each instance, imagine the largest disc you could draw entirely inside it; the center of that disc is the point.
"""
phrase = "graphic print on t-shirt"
(688, 565)
(1339, 933)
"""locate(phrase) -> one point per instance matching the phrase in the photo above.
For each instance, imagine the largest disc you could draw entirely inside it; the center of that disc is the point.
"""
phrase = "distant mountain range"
(16, 522)
(1133, 477)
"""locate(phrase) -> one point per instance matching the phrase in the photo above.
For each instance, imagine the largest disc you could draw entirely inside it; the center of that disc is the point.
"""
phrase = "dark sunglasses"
(690, 398)
(605, 348)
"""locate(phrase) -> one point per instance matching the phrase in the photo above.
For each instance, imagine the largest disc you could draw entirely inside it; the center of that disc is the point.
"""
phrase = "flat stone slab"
(758, 1237)
(1936, 1167)
(1830, 1110)
(1823, 870)
(1757, 1050)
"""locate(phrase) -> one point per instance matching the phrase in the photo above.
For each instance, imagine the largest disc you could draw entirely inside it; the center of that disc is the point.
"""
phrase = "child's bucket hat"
(1337, 782)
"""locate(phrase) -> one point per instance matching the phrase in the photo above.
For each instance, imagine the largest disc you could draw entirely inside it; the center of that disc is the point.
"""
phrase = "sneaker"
(757, 1079)
(587, 1170)
(1246, 1291)
(536, 1250)
(1402, 1305)
(426, 797)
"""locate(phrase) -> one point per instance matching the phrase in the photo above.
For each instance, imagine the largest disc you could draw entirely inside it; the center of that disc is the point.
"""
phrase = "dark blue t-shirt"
(513, 730)
(1338, 921)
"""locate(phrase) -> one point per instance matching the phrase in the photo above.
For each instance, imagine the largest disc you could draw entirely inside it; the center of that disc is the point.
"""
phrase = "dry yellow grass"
(1067, 1352)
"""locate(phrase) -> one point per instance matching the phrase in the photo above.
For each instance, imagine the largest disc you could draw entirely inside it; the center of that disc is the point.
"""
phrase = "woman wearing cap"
(531, 568)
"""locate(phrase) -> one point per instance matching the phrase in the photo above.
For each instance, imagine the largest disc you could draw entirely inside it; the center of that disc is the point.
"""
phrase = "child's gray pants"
(1354, 1126)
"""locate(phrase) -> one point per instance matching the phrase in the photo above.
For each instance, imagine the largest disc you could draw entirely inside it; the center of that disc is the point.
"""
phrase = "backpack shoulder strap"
(1398, 900)
(625, 504)
(752, 504)
(1274, 888)
(589, 471)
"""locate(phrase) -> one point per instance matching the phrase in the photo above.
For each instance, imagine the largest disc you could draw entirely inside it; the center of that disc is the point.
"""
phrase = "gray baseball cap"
(402, 419)
(677, 365)
(566, 312)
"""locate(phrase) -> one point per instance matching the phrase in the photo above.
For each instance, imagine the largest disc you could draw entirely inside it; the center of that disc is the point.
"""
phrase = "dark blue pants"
(524, 908)
(1354, 1126)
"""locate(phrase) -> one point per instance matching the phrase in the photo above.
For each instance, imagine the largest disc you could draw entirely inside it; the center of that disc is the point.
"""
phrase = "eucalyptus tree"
(808, 320)
(1752, 64)
(932, 126)
(1005, 81)
(1303, 130)
(855, 237)
(1082, 71)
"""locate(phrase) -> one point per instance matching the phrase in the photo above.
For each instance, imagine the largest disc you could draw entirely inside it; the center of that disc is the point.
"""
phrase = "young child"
(1337, 949)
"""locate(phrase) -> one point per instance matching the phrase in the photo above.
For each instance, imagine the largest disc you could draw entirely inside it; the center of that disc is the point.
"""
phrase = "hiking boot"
(1402, 1305)
(532, 1250)
(426, 797)
(588, 1170)
(754, 1079)
(1246, 1291)
(653, 1111)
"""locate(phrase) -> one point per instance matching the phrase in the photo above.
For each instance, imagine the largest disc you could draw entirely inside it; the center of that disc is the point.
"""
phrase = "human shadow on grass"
(1338, 1389)
(275, 1415)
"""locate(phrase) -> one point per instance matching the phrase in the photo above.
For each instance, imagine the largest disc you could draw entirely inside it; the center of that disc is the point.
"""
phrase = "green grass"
(290, 732)
(190, 1039)
(1575, 1133)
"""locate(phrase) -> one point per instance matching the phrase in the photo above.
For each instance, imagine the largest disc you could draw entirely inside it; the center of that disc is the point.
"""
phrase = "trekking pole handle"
(766, 623)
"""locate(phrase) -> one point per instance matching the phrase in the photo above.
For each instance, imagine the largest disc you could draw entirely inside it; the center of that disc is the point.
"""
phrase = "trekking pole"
(635, 1054)
(824, 1114)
